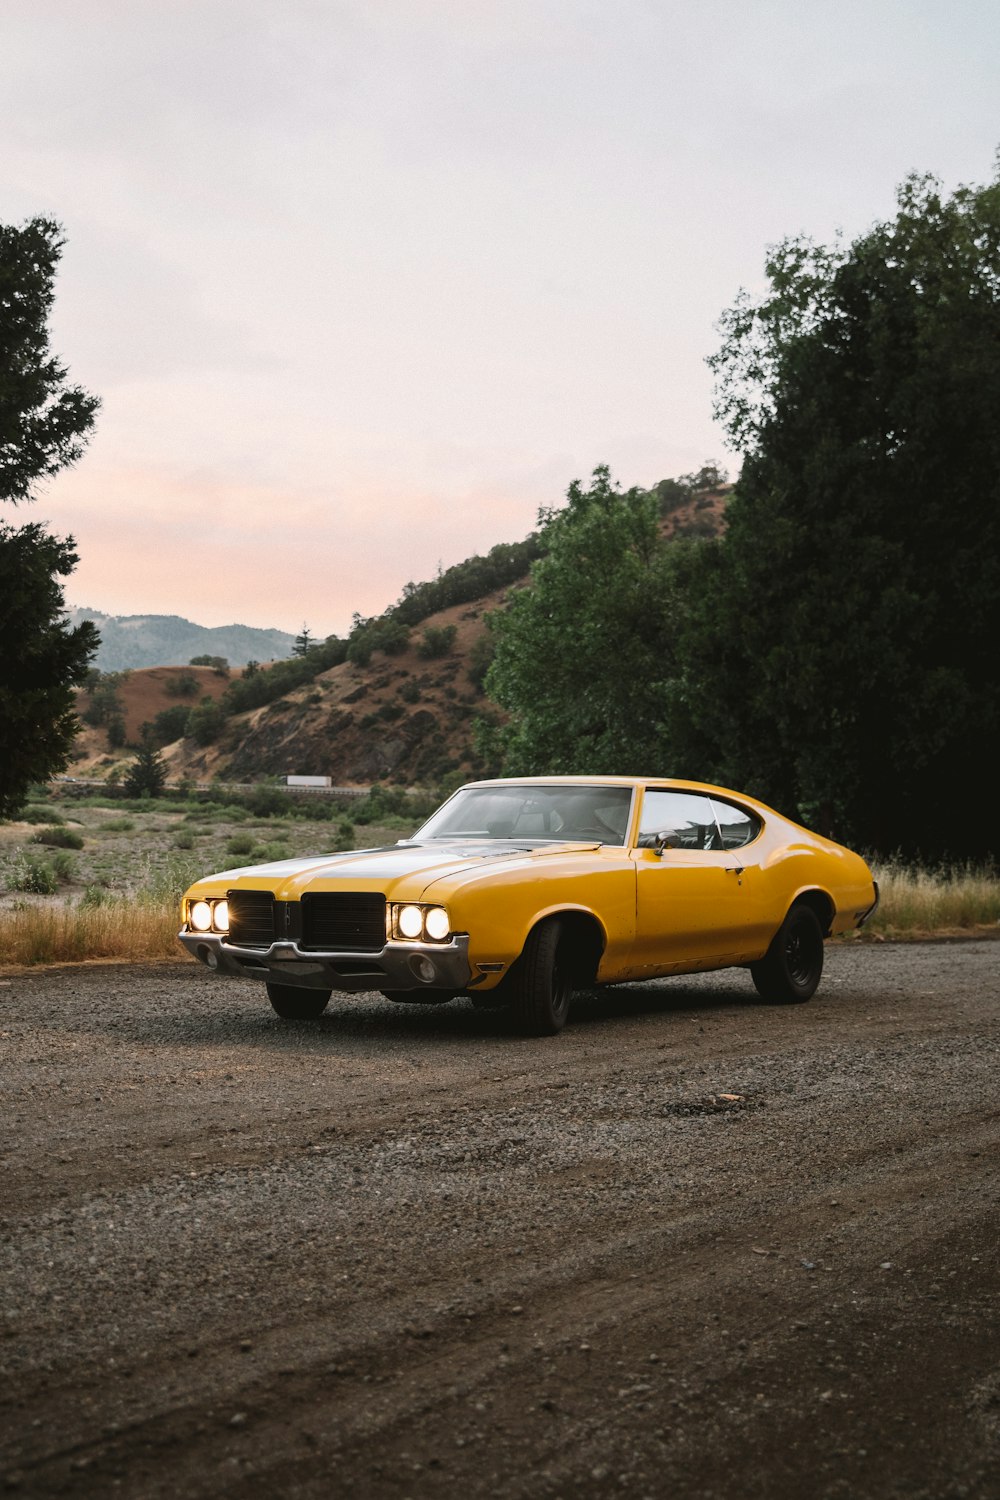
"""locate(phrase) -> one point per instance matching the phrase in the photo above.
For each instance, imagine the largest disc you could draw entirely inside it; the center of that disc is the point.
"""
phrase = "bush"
(264, 853)
(380, 634)
(181, 685)
(169, 724)
(35, 814)
(205, 723)
(118, 825)
(437, 641)
(183, 840)
(269, 802)
(34, 877)
(58, 838)
(240, 843)
(410, 692)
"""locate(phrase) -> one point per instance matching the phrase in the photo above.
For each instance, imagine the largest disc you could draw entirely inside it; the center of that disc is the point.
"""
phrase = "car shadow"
(359, 1020)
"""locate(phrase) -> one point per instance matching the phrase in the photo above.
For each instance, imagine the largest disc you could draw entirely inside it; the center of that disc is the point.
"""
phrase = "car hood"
(382, 867)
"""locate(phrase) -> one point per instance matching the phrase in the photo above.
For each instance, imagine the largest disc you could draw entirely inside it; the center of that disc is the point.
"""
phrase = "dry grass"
(927, 901)
(116, 929)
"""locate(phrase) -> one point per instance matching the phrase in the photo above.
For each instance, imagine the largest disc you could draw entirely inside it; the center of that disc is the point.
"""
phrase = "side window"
(684, 818)
(736, 825)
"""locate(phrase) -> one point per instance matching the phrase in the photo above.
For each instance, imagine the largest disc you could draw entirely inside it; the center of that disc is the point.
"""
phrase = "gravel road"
(694, 1247)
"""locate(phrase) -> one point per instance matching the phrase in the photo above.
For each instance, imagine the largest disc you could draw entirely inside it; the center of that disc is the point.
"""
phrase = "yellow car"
(520, 892)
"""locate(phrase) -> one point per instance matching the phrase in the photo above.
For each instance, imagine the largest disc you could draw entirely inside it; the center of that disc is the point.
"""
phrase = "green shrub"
(437, 641)
(264, 853)
(382, 633)
(391, 711)
(181, 685)
(94, 895)
(169, 724)
(35, 877)
(240, 843)
(58, 838)
(269, 802)
(33, 813)
(183, 840)
(118, 825)
(410, 693)
(205, 723)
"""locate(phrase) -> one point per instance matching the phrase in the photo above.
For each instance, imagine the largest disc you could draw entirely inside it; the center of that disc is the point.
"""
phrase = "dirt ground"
(694, 1247)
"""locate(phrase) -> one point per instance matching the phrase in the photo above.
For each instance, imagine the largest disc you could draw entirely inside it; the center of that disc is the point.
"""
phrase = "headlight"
(201, 916)
(209, 916)
(436, 924)
(411, 922)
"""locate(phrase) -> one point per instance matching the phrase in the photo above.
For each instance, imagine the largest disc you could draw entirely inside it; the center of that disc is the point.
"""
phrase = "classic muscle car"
(520, 892)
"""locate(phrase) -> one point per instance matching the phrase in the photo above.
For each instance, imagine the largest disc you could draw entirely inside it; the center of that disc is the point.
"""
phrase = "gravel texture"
(695, 1246)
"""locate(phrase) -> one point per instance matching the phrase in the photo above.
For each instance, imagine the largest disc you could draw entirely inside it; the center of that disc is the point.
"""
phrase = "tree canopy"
(44, 423)
(581, 654)
(835, 650)
(856, 603)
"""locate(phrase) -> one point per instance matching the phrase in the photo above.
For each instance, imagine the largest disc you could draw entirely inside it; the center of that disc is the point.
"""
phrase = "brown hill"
(405, 718)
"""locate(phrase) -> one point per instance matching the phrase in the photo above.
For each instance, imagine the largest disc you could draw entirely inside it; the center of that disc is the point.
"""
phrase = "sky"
(362, 284)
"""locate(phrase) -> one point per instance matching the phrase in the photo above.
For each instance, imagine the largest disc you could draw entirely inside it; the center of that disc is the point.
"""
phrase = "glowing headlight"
(209, 916)
(414, 920)
(436, 923)
(201, 916)
(410, 921)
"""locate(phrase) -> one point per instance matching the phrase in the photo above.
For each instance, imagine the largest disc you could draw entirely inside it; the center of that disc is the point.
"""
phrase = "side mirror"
(661, 841)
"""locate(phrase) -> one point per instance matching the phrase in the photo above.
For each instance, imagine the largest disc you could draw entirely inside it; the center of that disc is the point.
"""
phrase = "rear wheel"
(295, 1004)
(791, 968)
(540, 987)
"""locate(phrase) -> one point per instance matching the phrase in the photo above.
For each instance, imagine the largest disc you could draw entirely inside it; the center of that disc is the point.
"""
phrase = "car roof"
(672, 782)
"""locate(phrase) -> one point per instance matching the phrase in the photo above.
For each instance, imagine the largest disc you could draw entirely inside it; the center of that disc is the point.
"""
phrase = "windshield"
(559, 813)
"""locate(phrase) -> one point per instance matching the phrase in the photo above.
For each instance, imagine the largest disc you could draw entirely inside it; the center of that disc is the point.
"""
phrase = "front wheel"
(295, 1004)
(540, 988)
(790, 970)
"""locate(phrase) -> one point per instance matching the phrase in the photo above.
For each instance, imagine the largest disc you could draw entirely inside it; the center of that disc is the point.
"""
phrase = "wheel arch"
(583, 939)
(821, 904)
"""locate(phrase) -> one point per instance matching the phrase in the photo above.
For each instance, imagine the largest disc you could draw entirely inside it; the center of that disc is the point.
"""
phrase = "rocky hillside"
(405, 717)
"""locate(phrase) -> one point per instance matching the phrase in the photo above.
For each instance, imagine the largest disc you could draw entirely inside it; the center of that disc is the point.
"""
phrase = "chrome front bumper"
(398, 966)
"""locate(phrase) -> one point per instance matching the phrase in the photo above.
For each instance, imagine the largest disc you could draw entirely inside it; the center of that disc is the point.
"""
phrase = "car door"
(693, 904)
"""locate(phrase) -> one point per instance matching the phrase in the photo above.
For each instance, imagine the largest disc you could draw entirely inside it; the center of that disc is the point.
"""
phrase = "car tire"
(791, 968)
(295, 1004)
(540, 985)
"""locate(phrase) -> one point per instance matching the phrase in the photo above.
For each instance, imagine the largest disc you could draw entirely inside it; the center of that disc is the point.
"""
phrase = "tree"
(43, 420)
(303, 643)
(43, 425)
(40, 663)
(147, 775)
(103, 699)
(847, 664)
(205, 723)
(582, 653)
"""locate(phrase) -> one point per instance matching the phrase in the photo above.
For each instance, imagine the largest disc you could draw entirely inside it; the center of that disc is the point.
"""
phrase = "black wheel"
(790, 969)
(295, 1004)
(540, 988)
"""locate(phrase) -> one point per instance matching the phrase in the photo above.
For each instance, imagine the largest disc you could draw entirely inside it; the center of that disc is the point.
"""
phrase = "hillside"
(405, 717)
(129, 641)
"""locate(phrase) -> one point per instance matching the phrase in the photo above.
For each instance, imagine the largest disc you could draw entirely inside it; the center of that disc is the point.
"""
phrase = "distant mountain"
(129, 641)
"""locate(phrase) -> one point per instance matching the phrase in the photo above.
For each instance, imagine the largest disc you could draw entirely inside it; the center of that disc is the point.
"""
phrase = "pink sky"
(363, 284)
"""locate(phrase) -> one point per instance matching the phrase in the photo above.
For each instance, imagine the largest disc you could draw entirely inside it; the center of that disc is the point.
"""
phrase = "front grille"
(251, 919)
(336, 920)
